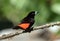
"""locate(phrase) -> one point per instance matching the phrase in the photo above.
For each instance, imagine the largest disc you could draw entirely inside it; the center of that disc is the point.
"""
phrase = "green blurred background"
(13, 11)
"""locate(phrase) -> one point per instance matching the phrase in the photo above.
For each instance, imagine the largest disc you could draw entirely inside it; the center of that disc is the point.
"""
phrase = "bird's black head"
(32, 14)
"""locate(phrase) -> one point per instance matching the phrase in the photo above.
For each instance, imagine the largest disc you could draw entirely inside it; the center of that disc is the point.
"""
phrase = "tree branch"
(6, 36)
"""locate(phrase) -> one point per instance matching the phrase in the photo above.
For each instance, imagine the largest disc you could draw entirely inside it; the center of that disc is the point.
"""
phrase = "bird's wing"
(24, 25)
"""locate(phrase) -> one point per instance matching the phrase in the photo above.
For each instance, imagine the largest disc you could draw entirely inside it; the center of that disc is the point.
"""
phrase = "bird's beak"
(36, 12)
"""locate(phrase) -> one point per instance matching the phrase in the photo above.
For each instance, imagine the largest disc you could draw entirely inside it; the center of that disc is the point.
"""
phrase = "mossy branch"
(6, 36)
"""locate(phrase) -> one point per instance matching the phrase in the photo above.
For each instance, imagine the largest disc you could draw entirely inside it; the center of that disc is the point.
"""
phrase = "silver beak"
(36, 12)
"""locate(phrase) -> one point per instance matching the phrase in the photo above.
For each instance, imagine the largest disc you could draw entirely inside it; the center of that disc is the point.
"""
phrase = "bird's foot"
(28, 30)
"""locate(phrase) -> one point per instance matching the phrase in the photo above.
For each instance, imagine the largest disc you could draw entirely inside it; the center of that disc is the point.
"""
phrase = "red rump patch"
(24, 25)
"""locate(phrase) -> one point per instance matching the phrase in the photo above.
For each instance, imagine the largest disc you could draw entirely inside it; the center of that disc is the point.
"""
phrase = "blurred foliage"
(16, 10)
(58, 33)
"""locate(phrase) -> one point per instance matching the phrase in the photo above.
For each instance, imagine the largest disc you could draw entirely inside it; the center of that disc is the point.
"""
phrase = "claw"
(28, 30)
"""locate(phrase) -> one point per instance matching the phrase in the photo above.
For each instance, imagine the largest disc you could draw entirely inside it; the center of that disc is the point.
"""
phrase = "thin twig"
(36, 28)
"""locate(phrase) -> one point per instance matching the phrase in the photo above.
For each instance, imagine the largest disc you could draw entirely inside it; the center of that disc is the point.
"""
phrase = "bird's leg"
(28, 30)
(31, 29)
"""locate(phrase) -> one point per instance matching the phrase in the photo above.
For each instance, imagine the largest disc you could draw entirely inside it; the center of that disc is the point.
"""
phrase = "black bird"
(27, 22)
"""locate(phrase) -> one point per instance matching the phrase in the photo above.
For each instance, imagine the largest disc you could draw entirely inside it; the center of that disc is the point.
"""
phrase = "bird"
(27, 22)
